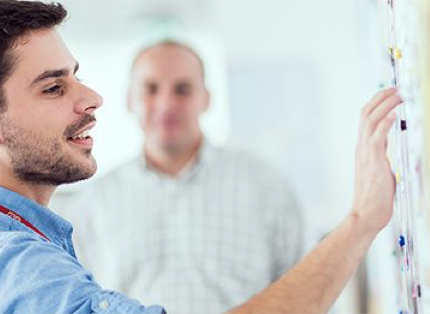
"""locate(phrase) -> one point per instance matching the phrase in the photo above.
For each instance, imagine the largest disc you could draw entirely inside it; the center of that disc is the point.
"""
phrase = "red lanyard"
(20, 219)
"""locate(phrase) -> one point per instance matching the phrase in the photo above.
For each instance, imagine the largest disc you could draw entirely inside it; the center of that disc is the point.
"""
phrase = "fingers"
(382, 110)
(379, 137)
(379, 112)
(377, 99)
(377, 119)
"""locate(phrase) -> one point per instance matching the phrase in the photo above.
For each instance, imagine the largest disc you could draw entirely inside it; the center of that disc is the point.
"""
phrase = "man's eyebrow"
(184, 84)
(54, 74)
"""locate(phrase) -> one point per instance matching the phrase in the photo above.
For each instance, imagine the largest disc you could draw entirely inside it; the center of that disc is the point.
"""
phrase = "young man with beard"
(44, 119)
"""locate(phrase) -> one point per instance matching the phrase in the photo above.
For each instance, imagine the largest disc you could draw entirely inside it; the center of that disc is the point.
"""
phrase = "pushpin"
(414, 292)
(403, 125)
(402, 241)
(397, 53)
(398, 177)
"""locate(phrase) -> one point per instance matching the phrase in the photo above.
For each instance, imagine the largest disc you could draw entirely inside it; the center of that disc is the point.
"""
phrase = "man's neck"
(171, 162)
(40, 194)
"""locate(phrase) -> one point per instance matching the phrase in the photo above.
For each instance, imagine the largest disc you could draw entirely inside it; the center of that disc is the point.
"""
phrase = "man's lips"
(86, 143)
(86, 128)
(169, 121)
(82, 138)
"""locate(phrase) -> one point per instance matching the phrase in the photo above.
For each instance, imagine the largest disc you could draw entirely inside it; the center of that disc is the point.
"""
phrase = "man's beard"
(39, 160)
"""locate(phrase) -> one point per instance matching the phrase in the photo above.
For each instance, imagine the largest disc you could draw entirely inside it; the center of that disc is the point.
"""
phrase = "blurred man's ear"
(133, 104)
(207, 100)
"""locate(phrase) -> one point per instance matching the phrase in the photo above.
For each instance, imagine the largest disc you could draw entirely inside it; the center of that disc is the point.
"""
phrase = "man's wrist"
(363, 224)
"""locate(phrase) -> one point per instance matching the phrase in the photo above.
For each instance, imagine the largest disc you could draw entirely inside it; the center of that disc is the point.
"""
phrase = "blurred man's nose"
(167, 100)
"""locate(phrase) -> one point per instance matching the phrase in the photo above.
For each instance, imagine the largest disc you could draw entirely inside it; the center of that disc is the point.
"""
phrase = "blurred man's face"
(43, 132)
(169, 95)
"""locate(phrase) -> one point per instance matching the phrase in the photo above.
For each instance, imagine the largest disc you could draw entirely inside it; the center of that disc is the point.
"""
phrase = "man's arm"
(40, 277)
(314, 284)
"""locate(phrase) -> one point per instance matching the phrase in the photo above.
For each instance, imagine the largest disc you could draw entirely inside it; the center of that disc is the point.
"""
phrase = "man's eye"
(54, 90)
(183, 90)
(150, 89)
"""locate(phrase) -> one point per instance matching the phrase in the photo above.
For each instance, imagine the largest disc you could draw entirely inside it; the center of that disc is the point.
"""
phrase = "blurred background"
(288, 80)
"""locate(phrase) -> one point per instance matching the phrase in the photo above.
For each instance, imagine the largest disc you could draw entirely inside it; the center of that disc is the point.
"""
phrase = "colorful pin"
(398, 177)
(402, 241)
(397, 53)
(403, 125)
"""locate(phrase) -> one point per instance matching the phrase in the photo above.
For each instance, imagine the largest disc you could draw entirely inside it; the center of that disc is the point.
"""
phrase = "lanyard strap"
(20, 219)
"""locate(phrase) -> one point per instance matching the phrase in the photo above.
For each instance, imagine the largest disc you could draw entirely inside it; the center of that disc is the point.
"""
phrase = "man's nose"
(166, 100)
(89, 101)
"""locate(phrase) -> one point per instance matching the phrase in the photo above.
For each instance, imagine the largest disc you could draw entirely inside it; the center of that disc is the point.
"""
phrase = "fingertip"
(399, 97)
(390, 90)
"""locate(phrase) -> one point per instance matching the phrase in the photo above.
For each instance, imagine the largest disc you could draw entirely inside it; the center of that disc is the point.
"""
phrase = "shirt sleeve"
(40, 277)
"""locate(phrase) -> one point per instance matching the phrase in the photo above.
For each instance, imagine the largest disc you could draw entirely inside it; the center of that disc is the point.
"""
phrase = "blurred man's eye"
(150, 89)
(183, 89)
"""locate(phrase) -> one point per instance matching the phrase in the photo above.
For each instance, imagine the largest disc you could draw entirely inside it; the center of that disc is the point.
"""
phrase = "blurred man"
(45, 116)
(205, 228)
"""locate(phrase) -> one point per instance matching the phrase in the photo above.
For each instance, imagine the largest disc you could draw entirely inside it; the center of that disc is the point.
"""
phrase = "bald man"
(206, 228)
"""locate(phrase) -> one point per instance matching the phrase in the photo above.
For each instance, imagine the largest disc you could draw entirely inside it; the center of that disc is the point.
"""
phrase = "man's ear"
(133, 105)
(207, 100)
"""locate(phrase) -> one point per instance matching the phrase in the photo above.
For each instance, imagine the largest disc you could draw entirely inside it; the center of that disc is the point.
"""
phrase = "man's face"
(169, 94)
(42, 130)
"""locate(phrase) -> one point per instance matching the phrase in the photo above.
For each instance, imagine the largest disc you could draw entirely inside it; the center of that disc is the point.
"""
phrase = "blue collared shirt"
(44, 277)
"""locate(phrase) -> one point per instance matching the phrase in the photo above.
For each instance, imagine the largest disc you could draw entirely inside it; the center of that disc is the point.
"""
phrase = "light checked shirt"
(200, 243)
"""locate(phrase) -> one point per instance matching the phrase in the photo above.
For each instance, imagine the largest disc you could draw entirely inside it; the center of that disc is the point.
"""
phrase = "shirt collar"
(55, 228)
(204, 156)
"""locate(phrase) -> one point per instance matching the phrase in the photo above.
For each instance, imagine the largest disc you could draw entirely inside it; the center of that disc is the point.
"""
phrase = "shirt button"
(104, 304)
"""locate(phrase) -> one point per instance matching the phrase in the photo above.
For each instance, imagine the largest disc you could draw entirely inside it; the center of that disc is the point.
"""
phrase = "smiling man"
(45, 115)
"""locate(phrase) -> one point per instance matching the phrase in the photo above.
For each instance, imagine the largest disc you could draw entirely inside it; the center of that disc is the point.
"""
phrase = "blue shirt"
(44, 277)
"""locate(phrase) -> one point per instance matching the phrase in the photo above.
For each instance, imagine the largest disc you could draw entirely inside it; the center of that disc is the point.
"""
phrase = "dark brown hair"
(17, 19)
